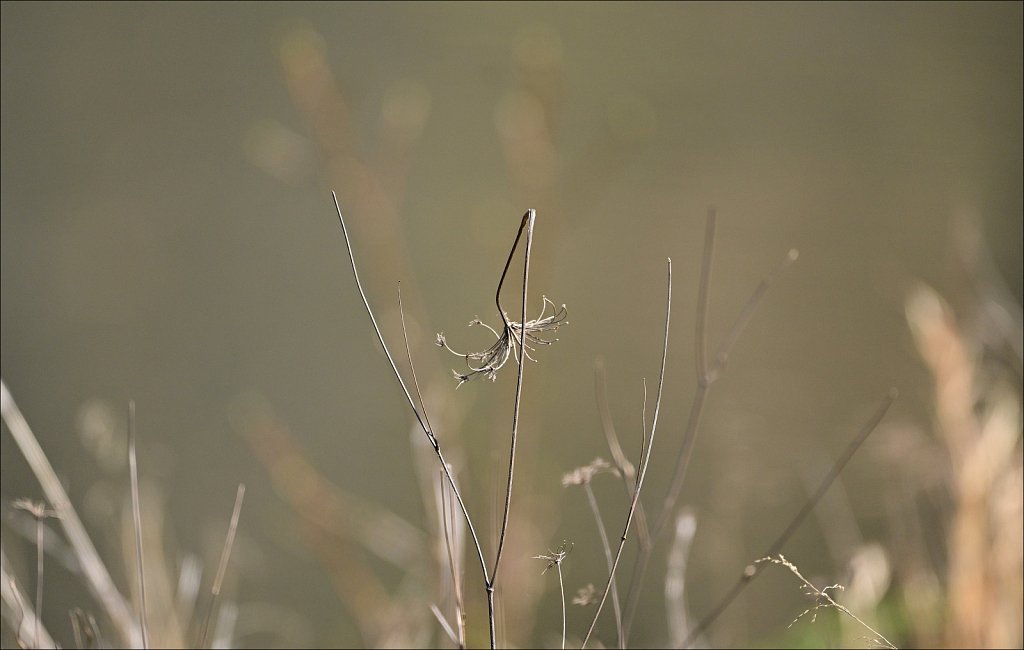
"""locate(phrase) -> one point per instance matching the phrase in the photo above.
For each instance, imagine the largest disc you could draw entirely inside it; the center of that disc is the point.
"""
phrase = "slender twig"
(555, 559)
(222, 566)
(527, 223)
(412, 366)
(419, 419)
(133, 471)
(706, 376)
(645, 457)
(606, 546)
(626, 470)
(561, 589)
(97, 577)
(751, 571)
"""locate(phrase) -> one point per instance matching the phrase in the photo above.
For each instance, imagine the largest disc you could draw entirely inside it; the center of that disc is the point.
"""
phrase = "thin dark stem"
(225, 555)
(752, 570)
(426, 430)
(606, 546)
(133, 470)
(527, 223)
(644, 461)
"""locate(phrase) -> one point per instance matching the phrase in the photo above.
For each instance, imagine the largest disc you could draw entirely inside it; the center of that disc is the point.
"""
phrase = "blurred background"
(168, 236)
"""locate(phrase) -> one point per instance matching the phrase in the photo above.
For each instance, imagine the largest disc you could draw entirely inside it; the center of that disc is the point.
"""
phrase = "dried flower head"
(585, 474)
(489, 361)
(586, 595)
(554, 558)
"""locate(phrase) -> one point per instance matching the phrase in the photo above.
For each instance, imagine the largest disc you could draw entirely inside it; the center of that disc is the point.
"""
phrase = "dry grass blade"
(444, 624)
(97, 577)
(752, 570)
(18, 612)
(222, 566)
(133, 471)
(39, 512)
(644, 460)
(823, 599)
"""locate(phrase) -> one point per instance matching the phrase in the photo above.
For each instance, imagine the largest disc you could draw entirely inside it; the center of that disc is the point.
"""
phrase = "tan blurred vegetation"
(168, 237)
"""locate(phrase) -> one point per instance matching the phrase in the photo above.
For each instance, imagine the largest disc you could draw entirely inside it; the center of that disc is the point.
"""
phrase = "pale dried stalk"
(96, 575)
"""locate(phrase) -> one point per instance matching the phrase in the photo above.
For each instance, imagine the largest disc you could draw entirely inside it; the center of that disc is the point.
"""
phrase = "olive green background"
(168, 237)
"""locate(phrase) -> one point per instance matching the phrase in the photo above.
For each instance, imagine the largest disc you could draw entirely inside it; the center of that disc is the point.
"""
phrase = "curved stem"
(527, 222)
(644, 461)
(426, 430)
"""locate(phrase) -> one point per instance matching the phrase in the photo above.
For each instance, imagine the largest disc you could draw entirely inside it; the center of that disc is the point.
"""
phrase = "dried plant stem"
(527, 223)
(753, 570)
(17, 611)
(222, 566)
(95, 572)
(606, 546)
(626, 470)
(706, 376)
(416, 412)
(645, 457)
(561, 588)
(133, 471)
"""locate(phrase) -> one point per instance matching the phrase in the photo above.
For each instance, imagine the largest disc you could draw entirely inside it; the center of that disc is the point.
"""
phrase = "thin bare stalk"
(706, 376)
(626, 470)
(561, 588)
(555, 559)
(133, 472)
(425, 427)
(527, 223)
(97, 577)
(644, 461)
(222, 566)
(751, 571)
(606, 545)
